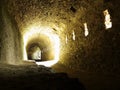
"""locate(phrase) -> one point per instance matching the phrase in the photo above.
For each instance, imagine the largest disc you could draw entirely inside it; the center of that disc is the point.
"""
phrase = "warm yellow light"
(73, 35)
(54, 38)
(108, 23)
(86, 30)
(56, 42)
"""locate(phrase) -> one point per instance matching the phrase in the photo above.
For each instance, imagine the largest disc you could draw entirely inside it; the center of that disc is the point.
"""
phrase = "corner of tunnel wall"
(10, 45)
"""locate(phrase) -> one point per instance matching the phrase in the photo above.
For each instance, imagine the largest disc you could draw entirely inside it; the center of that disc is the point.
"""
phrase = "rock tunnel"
(79, 34)
(40, 48)
(37, 24)
(77, 24)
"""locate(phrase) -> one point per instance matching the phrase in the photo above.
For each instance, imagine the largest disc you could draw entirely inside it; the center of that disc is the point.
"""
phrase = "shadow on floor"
(48, 81)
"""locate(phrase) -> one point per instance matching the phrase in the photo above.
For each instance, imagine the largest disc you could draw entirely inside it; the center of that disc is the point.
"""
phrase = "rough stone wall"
(100, 51)
(10, 38)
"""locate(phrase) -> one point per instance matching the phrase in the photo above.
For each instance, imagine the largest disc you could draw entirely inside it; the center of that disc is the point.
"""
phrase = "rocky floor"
(93, 80)
(58, 77)
(25, 77)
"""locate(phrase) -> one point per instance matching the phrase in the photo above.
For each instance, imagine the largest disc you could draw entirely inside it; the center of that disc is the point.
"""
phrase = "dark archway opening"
(40, 48)
(34, 52)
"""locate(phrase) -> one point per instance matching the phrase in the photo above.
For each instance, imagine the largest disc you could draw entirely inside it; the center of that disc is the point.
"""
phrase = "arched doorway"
(40, 48)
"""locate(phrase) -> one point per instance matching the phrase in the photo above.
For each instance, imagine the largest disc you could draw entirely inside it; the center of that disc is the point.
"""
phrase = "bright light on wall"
(108, 23)
(56, 41)
(73, 33)
(86, 30)
(36, 54)
(47, 31)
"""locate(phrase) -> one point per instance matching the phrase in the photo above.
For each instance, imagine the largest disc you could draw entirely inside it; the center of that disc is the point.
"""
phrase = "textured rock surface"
(33, 77)
(10, 39)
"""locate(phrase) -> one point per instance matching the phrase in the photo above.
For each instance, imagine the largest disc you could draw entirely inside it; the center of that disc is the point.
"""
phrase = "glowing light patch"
(73, 35)
(86, 30)
(54, 38)
(39, 55)
(108, 23)
(57, 51)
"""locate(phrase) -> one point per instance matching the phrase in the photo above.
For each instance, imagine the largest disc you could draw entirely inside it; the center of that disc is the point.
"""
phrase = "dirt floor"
(93, 80)
(32, 77)
(59, 77)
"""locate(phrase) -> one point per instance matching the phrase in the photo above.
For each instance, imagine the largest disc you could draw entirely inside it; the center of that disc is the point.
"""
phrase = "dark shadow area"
(33, 77)
(56, 81)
